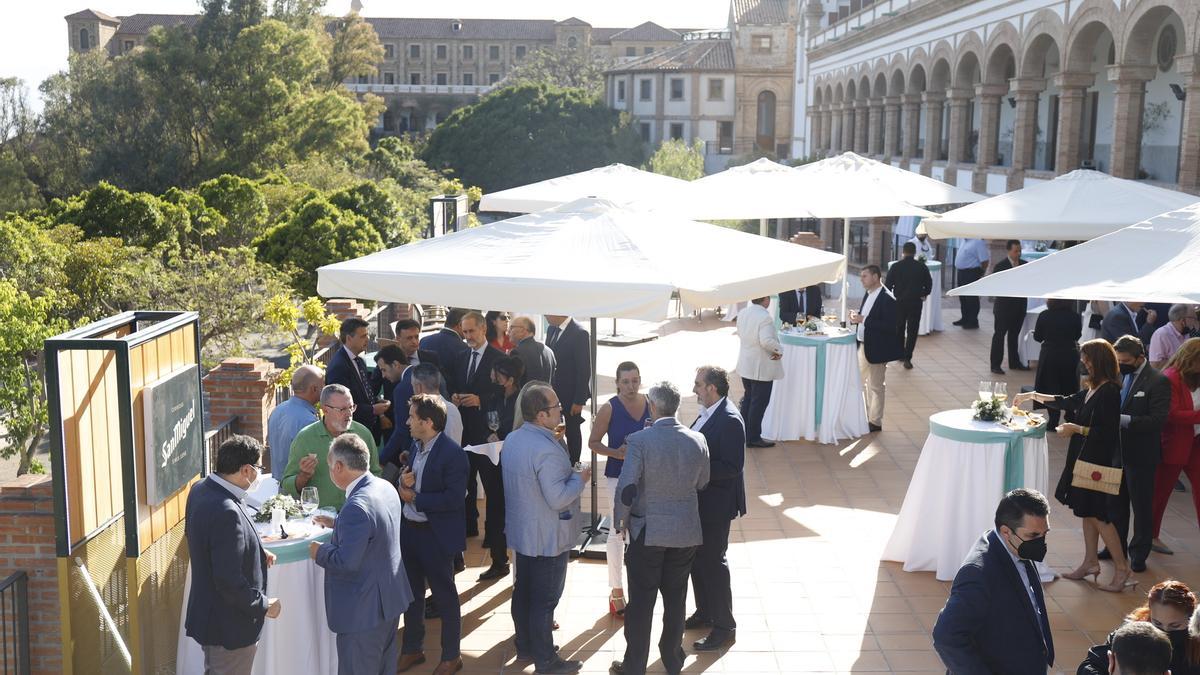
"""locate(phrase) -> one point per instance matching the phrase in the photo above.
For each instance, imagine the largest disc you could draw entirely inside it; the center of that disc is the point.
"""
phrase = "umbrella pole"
(762, 227)
(846, 273)
(593, 537)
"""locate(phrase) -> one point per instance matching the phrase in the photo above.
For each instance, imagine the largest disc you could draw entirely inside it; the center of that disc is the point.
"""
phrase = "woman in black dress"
(1096, 438)
(1058, 329)
(507, 373)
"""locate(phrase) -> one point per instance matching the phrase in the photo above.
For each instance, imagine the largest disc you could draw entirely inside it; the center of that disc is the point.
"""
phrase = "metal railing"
(14, 623)
(213, 438)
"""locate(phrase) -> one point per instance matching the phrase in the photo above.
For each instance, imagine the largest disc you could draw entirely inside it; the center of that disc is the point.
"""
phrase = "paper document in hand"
(489, 450)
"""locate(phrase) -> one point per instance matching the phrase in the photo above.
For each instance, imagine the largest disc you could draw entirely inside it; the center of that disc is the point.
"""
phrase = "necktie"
(1032, 575)
(471, 368)
(552, 335)
(1125, 389)
(363, 375)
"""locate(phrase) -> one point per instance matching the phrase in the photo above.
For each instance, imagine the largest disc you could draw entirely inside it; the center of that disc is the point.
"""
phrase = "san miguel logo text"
(178, 432)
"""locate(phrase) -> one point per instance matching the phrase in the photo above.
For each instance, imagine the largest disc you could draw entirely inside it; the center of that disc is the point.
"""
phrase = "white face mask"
(257, 482)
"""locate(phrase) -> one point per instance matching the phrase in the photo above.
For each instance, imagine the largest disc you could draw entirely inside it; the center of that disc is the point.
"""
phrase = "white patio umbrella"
(909, 185)
(617, 183)
(1075, 206)
(1153, 261)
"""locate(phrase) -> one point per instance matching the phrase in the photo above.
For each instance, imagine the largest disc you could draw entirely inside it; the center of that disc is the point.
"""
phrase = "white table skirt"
(952, 498)
(791, 414)
(931, 309)
(1028, 348)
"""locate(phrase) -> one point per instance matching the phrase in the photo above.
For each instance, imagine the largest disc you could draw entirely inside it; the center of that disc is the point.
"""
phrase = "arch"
(917, 80)
(896, 87)
(1081, 45)
(1004, 37)
(84, 40)
(1001, 65)
(1045, 29)
(1137, 42)
(828, 95)
(939, 75)
(765, 120)
(838, 95)
(881, 86)
(864, 88)
(851, 91)
(969, 46)
(969, 72)
(1041, 56)
(817, 96)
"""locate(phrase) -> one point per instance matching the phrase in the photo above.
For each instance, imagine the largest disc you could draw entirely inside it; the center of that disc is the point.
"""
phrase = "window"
(84, 40)
(648, 50)
(645, 90)
(677, 131)
(469, 79)
(621, 90)
(572, 42)
(440, 52)
(128, 46)
(441, 78)
(362, 79)
(414, 51)
(644, 128)
(389, 78)
(493, 78)
(468, 52)
(389, 52)
(676, 88)
(493, 52)
(760, 44)
(414, 78)
(631, 51)
(716, 89)
(520, 52)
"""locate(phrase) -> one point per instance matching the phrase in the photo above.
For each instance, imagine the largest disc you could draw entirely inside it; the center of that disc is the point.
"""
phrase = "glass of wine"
(310, 499)
(985, 390)
(1000, 390)
(493, 420)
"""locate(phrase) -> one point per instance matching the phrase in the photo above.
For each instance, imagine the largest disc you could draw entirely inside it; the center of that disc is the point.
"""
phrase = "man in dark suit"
(1009, 315)
(447, 343)
(408, 339)
(723, 500)
(474, 392)
(228, 600)
(431, 488)
(537, 358)
(347, 368)
(879, 343)
(366, 589)
(1125, 318)
(995, 619)
(802, 301)
(910, 282)
(395, 366)
(1145, 403)
(572, 375)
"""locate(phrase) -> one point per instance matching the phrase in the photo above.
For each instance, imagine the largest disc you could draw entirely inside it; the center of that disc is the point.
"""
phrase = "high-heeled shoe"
(1119, 583)
(1081, 573)
(616, 605)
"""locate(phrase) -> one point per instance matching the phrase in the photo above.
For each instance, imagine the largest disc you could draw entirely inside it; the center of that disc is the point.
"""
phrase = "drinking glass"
(1000, 390)
(985, 390)
(310, 499)
(493, 420)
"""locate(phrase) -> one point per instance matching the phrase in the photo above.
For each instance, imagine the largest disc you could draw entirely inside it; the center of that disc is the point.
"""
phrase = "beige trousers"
(221, 661)
(873, 391)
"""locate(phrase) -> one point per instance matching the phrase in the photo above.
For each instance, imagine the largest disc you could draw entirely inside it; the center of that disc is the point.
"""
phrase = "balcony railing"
(879, 9)
(442, 89)
(14, 623)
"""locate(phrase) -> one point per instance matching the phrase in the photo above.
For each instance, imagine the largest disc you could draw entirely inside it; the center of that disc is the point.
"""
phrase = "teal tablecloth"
(1014, 453)
(289, 551)
(1034, 255)
(819, 343)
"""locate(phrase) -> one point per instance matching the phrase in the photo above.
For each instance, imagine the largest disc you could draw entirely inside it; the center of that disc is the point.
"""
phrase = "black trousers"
(1008, 329)
(427, 564)
(710, 576)
(908, 322)
(1137, 493)
(969, 304)
(756, 396)
(653, 570)
(472, 497)
(493, 489)
(574, 435)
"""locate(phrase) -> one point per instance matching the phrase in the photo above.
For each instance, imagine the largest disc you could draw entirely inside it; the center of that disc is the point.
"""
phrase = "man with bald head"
(289, 417)
(537, 358)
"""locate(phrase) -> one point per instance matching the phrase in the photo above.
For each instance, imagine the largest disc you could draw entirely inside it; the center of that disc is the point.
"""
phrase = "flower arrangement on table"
(922, 258)
(813, 326)
(990, 410)
(291, 508)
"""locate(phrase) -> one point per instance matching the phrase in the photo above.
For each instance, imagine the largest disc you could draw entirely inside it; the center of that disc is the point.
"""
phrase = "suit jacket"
(1118, 322)
(538, 360)
(1179, 432)
(988, 624)
(475, 428)
(880, 340)
(1147, 404)
(759, 340)
(725, 433)
(390, 389)
(365, 581)
(573, 365)
(228, 600)
(343, 371)
(447, 345)
(443, 487)
(789, 302)
(401, 438)
(666, 465)
(909, 280)
(1009, 307)
(539, 485)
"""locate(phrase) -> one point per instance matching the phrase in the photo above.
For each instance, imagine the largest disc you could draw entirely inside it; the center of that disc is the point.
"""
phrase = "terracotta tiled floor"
(810, 593)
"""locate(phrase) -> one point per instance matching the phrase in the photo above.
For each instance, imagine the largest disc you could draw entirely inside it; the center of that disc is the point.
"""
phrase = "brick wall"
(242, 388)
(27, 544)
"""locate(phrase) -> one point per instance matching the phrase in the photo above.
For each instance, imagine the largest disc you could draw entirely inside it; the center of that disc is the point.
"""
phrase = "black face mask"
(1128, 368)
(1179, 640)
(1032, 549)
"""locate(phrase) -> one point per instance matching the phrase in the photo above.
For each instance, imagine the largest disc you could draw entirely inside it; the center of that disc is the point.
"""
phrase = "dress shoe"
(528, 657)
(874, 427)
(1161, 548)
(998, 370)
(719, 637)
(617, 668)
(957, 323)
(1137, 565)
(459, 563)
(970, 326)
(561, 667)
(1020, 366)
(494, 572)
(908, 365)
(448, 667)
(760, 444)
(693, 622)
(1104, 555)
(409, 660)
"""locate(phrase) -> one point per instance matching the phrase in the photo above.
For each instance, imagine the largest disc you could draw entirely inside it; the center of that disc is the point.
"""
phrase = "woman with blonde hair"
(1181, 433)
(1095, 437)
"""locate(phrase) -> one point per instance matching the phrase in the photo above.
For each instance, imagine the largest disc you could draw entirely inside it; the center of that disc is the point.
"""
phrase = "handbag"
(1095, 321)
(1106, 479)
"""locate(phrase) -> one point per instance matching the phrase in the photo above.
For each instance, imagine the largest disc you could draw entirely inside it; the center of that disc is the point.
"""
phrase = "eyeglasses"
(552, 407)
(348, 409)
(260, 467)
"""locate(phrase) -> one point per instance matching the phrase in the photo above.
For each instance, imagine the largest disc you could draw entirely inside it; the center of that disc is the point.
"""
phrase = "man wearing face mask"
(228, 600)
(995, 618)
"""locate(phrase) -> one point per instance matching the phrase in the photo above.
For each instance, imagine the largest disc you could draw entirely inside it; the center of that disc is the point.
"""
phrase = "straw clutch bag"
(1106, 479)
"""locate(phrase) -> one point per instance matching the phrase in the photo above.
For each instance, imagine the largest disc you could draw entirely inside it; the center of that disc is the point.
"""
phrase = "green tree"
(17, 192)
(242, 207)
(25, 322)
(378, 208)
(282, 313)
(581, 68)
(317, 233)
(355, 50)
(528, 133)
(137, 219)
(676, 158)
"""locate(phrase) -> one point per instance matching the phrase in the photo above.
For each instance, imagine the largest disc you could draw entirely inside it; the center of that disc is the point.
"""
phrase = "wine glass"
(1000, 390)
(493, 420)
(985, 390)
(310, 499)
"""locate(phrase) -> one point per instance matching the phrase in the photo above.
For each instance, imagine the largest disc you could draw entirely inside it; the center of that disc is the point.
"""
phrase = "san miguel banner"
(174, 436)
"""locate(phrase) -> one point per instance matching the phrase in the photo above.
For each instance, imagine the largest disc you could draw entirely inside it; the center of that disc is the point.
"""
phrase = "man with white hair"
(306, 462)
(1181, 324)
(289, 417)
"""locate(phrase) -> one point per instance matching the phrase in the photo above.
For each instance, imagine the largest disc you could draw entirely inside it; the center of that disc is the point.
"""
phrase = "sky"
(33, 39)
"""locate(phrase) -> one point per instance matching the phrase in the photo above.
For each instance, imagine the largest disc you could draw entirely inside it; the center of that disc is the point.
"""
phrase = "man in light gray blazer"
(665, 466)
(537, 358)
(541, 511)
(366, 587)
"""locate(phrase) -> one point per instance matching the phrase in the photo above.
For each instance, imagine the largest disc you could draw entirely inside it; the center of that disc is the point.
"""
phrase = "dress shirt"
(359, 365)
(1165, 342)
(474, 360)
(418, 467)
(1132, 317)
(415, 359)
(238, 493)
(454, 425)
(1128, 384)
(1019, 563)
(353, 484)
(287, 419)
(868, 303)
(971, 253)
(924, 248)
(706, 413)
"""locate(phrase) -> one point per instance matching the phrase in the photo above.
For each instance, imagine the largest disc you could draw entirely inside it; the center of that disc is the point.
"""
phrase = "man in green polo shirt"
(306, 460)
